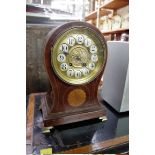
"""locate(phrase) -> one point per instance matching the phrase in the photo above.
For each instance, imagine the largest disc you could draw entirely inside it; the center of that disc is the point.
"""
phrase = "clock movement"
(75, 56)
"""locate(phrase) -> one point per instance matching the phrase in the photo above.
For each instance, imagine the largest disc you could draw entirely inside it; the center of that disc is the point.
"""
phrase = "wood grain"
(115, 4)
(30, 119)
(76, 97)
(56, 102)
(116, 31)
(93, 15)
(92, 148)
(99, 146)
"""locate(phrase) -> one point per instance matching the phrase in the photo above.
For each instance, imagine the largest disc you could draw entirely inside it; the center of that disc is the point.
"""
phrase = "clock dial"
(64, 66)
(61, 57)
(70, 72)
(94, 58)
(93, 49)
(85, 71)
(77, 74)
(71, 41)
(87, 42)
(92, 66)
(80, 56)
(80, 39)
(64, 48)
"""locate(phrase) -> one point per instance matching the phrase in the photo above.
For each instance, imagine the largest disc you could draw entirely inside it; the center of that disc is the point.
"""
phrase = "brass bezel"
(102, 51)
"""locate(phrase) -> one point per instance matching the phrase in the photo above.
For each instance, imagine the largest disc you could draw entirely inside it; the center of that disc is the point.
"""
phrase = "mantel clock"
(75, 58)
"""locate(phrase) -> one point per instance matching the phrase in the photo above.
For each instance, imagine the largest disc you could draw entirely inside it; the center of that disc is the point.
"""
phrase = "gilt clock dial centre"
(78, 56)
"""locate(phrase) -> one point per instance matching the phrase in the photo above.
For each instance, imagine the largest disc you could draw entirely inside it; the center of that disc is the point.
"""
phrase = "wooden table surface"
(92, 136)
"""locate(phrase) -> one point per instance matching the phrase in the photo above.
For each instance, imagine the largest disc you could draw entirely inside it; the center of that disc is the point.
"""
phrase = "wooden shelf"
(115, 31)
(104, 12)
(107, 8)
(115, 4)
(92, 15)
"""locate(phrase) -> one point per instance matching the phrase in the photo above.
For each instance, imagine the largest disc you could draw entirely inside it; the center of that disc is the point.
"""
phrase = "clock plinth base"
(60, 118)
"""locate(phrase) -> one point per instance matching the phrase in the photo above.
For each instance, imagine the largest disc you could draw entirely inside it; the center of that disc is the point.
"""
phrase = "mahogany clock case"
(67, 103)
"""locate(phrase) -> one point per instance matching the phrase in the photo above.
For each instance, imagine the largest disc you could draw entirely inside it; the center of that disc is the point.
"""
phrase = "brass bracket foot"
(103, 118)
(47, 129)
